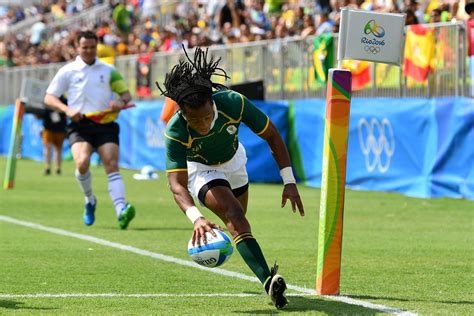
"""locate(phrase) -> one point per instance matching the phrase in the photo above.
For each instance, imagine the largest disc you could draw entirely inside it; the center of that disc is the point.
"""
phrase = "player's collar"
(216, 114)
(81, 64)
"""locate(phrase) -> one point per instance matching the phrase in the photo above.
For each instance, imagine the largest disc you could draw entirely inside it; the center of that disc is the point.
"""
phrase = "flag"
(419, 52)
(107, 116)
(121, 17)
(442, 54)
(360, 72)
(432, 4)
(323, 56)
(106, 53)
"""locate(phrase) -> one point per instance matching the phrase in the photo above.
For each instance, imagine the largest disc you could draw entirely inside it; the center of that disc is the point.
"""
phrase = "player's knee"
(236, 219)
(82, 165)
(111, 166)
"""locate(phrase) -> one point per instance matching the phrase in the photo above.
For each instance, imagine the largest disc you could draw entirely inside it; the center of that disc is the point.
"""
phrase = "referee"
(90, 86)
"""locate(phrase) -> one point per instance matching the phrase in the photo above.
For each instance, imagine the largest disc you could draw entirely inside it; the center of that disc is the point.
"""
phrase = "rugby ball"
(213, 254)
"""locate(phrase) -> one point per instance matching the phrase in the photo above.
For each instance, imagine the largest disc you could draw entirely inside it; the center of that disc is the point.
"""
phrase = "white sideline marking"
(48, 295)
(103, 242)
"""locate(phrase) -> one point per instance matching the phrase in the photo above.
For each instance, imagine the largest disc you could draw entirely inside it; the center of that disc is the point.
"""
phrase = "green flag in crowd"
(323, 56)
(121, 16)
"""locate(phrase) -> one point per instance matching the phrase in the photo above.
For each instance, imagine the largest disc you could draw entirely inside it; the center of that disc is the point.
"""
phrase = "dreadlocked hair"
(189, 82)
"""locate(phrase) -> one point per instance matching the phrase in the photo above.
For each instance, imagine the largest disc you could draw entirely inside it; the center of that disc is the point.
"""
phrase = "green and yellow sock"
(250, 251)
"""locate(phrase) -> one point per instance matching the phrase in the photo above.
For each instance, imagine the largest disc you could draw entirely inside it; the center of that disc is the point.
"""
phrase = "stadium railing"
(87, 18)
(286, 67)
(103, 13)
(163, 11)
(20, 27)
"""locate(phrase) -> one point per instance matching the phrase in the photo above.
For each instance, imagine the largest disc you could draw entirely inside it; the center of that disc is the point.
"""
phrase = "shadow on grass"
(160, 228)
(370, 297)
(306, 304)
(19, 306)
(148, 228)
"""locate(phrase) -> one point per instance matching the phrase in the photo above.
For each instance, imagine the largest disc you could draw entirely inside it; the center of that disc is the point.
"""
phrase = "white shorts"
(233, 173)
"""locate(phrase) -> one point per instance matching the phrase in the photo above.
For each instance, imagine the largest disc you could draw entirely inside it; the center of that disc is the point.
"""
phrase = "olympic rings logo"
(373, 49)
(377, 143)
(374, 28)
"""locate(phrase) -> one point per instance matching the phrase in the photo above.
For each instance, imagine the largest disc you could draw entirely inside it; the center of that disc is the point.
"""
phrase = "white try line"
(142, 252)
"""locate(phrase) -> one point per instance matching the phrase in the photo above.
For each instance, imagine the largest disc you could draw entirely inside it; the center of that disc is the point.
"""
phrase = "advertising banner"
(142, 136)
(419, 147)
(261, 167)
(6, 122)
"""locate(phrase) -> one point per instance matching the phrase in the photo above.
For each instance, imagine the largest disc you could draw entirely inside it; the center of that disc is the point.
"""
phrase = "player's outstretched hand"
(201, 226)
(290, 192)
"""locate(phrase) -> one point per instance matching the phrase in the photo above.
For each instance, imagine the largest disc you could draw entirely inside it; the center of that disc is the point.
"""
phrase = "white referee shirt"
(89, 88)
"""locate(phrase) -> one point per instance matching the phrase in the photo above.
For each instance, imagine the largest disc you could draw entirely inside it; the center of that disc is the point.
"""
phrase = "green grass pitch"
(410, 254)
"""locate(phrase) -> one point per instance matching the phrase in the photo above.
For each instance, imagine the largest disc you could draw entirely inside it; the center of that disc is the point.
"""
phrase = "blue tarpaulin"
(419, 147)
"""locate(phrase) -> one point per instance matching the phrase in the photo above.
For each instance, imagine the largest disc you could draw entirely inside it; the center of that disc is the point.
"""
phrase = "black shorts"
(93, 133)
(220, 183)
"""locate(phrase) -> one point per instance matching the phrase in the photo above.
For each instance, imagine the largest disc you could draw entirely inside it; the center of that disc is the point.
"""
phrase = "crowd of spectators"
(146, 26)
(59, 9)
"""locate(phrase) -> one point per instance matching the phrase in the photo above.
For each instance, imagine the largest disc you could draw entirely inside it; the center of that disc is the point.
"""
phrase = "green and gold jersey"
(220, 144)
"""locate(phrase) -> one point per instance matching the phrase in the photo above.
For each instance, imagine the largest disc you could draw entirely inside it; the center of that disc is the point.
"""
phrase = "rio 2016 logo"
(373, 45)
(373, 28)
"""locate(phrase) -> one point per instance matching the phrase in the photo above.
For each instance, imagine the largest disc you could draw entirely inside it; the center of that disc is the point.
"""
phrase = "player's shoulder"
(227, 96)
(229, 102)
(68, 67)
(106, 66)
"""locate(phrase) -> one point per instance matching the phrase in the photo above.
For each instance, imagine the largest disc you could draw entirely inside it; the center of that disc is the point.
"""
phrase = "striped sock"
(250, 251)
(117, 191)
(85, 183)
